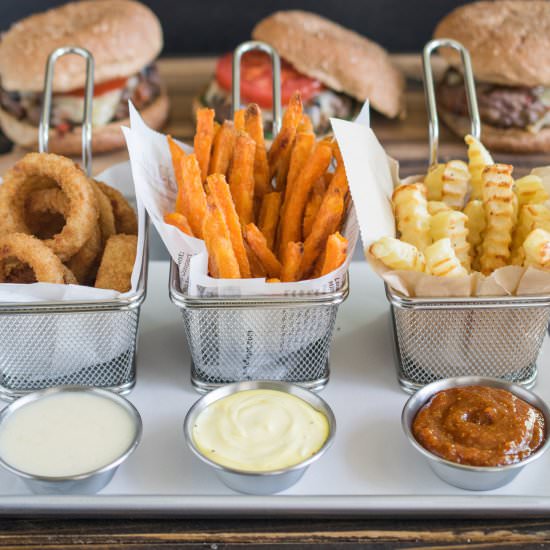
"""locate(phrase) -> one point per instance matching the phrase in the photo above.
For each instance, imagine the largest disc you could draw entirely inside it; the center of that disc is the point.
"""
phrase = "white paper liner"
(156, 187)
(118, 176)
(372, 177)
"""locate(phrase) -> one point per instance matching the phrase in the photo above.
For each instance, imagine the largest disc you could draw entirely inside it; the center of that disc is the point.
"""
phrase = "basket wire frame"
(84, 343)
(258, 338)
(436, 338)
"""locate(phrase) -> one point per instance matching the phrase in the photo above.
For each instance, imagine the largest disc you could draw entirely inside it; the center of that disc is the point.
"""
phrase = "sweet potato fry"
(180, 221)
(269, 217)
(256, 267)
(222, 149)
(241, 179)
(305, 124)
(282, 170)
(219, 190)
(339, 180)
(177, 154)
(258, 244)
(238, 120)
(254, 128)
(335, 253)
(301, 151)
(291, 222)
(292, 258)
(273, 280)
(283, 142)
(218, 243)
(327, 222)
(204, 138)
(313, 205)
(193, 196)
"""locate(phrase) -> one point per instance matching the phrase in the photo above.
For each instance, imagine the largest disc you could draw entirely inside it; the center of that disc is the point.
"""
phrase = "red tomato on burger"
(100, 89)
(257, 82)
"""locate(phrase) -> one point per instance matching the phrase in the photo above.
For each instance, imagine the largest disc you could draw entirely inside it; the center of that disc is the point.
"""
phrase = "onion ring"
(107, 222)
(47, 267)
(117, 263)
(84, 263)
(41, 171)
(125, 217)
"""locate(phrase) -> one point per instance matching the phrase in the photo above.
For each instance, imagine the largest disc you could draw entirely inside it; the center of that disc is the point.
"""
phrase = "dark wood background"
(213, 26)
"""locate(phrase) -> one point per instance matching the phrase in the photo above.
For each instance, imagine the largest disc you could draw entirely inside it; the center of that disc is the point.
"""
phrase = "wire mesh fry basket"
(90, 343)
(436, 338)
(260, 337)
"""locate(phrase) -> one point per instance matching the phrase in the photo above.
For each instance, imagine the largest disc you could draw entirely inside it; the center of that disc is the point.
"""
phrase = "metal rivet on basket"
(429, 91)
(44, 128)
(276, 71)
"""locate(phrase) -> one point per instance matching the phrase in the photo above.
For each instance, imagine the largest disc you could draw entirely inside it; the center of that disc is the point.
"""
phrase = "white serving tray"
(370, 470)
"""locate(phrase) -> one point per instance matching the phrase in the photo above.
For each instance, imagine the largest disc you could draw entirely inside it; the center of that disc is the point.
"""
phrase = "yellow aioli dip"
(260, 430)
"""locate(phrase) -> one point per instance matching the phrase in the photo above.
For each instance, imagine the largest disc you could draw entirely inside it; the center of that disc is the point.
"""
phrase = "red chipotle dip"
(479, 426)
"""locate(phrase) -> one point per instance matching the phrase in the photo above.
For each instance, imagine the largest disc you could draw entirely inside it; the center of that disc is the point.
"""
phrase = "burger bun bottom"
(509, 140)
(104, 138)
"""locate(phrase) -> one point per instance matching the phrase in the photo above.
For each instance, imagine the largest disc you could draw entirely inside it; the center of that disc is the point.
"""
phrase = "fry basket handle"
(44, 128)
(276, 72)
(429, 91)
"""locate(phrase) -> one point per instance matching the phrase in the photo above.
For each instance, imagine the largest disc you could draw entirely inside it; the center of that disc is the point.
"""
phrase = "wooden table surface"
(407, 141)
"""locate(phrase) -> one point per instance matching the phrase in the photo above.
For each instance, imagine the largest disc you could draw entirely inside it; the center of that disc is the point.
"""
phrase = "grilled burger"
(334, 69)
(124, 37)
(511, 63)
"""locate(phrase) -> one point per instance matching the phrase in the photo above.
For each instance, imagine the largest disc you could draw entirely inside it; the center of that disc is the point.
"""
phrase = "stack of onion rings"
(50, 209)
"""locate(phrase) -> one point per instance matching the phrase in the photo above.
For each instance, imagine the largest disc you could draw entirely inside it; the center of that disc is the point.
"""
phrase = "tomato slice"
(257, 82)
(100, 89)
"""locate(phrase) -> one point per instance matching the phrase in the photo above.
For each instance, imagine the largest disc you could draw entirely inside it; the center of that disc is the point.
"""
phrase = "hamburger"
(124, 37)
(333, 68)
(511, 64)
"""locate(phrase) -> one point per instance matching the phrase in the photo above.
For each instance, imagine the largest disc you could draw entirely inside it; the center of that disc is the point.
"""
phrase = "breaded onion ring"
(85, 262)
(117, 263)
(41, 171)
(125, 217)
(107, 222)
(47, 267)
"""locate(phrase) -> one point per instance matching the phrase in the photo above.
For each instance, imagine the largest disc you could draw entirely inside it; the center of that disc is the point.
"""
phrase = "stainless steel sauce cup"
(87, 482)
(259, 483)
(473, 478)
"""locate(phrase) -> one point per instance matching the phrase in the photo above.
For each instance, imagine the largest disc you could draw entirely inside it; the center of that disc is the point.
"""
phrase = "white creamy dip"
(260, 430)
(66, 434)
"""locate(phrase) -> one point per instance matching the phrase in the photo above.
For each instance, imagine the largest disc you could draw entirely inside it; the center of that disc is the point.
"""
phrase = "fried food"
(442, 261)
(33, 252)
(218, 242)
(475, 213)
(453, 225)
(335, 254)
(498, 196)
(39, 171)
(256, 228)
(241, 179)
(84, 263)
(204, 139)
(218, 189)
(411, 214)
(254, 128)
(434, 182)
(530, 190)
(455, 180)
(125, 217)
(258, 244)
(117, 263)
(537, 249)
(478, 159)
(397, 254)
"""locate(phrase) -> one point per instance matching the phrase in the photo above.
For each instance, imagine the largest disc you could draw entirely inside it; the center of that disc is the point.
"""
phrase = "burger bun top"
(122, 35)
(339, 58)
(508, 41)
